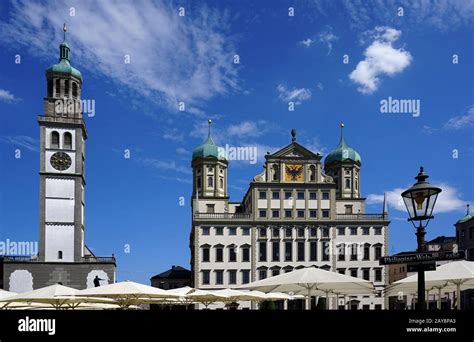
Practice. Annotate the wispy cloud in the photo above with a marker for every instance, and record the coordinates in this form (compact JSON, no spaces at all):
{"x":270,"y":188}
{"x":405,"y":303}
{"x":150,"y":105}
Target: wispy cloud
{"x":185,"y":59}
{"x":461,"y":121}
{"x":448,"y":200}
{"x":24,"y":141}
{"x":296,"y":95}
{"x":307,"y":42}
{"x":381,"y":58}
{"x":7,"y":96}
{"x":174,"y":134}
{"x":428,"y":130}
{"x":166,"y":165}
{"x":247,"y":129}
{"x":327,"y":37}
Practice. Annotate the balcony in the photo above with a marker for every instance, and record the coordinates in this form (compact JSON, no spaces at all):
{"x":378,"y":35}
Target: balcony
{"x":33,"y":259}
{"x":222,"y":216}
{"x":362,"y":217}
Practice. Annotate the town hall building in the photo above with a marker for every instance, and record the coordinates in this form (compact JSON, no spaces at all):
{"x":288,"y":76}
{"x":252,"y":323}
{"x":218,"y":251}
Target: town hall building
{"x":300,"y":211}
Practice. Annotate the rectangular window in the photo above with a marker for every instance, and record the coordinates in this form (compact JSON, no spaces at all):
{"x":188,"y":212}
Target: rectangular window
{"x":313,"y":213}
{"x":262,"y":251}
{"x":366,"y":274}
{"x":366,"y":252}
{"x":245,"y":276}
{"x":325,"y":213}
{"x":219,"y":277}
{"x":348,"y":209}
{"x":245,"y":254}
{"x":262,"y":213}
{"x":325,"y":251}
{"x":312,"y":195}
{"x":287,"y":195}
{"x":341,"y":231}
{"x":354,"y":252}
{"x":275,"y":232}
{"x":219,"y":254}
{"x":378,"y":252}
{"x":210,"y":208}
{"x":232,"y":231}
{"x":325,"y":195}
{"x":275,"y":195}
{"x":288,"y":213}
{"x":262,"y":274}
{"x":205,"y":254}
{"x":275,"y":272}
{"x":288,"y":232}
{"x":205,"y":230}
{"x":245,"y":231}
{"x":300,"y":251}
{"x":232,"y":277}
{"x":232,"y":254}
{"x":378,"y":307}
{"x":275,"y":251}
{"x":313,"y":232}
{"x":353,"y":231}
{"x":275,"y":213}
{"x":206,"y":277}
{"x":263,"y":232}
{"x":378,"y":274}
{"x":341,"y":253}
{"x":219,"y":231}
{"x":301,"y":232}
{"x":341,"y":270}
{"x":354,"y":272}
{"x":262,"y":195}
{"x":378,"y":231}
{"x":313,"y":251}
{"x":365,"y":231}
{"x":325,"y":232}
{"x":288,"y":251}
{"x":300,"y":213}
{"x":300,"y":195}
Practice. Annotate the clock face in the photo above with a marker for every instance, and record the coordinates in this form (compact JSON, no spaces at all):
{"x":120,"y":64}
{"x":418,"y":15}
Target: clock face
{"x":60,"y":161}
{"x":294,"y":172}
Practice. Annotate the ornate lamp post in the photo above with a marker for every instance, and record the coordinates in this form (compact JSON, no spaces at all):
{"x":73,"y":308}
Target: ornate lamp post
{"x":420,"y":200}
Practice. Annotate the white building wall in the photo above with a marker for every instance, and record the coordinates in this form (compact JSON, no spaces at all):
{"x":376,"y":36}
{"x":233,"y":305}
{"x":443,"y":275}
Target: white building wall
{"x":59,"y":238}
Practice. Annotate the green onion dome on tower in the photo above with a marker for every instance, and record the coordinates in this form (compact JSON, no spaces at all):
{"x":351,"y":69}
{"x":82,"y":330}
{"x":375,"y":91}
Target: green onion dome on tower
{"x":342,"y":152}
{"x":466,"y":218}
{"x":208,"y":148}
{"x":64,"y":66}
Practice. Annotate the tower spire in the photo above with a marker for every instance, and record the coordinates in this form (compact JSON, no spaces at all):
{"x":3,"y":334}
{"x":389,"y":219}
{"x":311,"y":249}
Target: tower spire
{"x":467,"y":208}
{"x":65,"y":30}
{"x":209,"y":131}
{"x":293,"y":135}
{"x":342,"y":132}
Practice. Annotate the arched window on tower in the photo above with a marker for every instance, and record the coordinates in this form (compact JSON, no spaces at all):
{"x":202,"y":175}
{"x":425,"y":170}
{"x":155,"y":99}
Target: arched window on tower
{"x":210,"y":182}
{"x":54,"y":139}
{"x":68,"y":141}
{"x":199,"y":183}
{"x":221,"y":183}
{"x":50,"y":88}
{"x":58,"y":87}
{"x":74,"y":89}
{"x":66,"y":88}
{"x":348,"y":183}
{"x":276,"y":172}
{"x":60,"y":255}
{"x":312,"y":173}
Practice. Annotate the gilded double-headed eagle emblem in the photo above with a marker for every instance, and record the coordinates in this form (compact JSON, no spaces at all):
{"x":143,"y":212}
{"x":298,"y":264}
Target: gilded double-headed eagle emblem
{"x":294,"y":172}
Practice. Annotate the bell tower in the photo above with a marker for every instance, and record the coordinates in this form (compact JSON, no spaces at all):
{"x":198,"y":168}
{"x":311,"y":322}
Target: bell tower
{"x":62,"y":142}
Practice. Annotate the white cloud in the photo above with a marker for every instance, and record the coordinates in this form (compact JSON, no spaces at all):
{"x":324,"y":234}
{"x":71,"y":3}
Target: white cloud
{"x":24,"y":141}
{"x":381,"y":58}
{"x":182,"y":151}
{"x":462,"y":121}
{"x":428,"y":130}
{"x":7,"y":96}
{"x":172,"y":58}
{"x":247,"y":129}
{"x":173,"y":134}
{"x":327,"y":37}
{"x":296,"y":95}
{"x":448,"y":200}
{"x":164,"y":165}
{"x":320,"y":86}
{"x":307,"y":42}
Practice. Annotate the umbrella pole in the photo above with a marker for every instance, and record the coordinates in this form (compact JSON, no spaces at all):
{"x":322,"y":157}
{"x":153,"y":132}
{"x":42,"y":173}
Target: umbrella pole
{"x":337,"y":301}
{"x":327,"y":300}
{"x":427,"y":299}
{"x":308,"y":300}
{"x":458,"y":296}
{"x":439,"y":298}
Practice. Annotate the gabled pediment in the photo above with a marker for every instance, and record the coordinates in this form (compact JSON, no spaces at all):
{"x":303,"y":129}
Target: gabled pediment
{"x":294,"y":151}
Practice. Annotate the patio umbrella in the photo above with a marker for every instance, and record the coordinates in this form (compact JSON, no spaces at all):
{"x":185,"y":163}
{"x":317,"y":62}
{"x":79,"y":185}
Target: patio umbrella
{"x":457,"y":274}
{"x":205,"y":297}
{"x":126,"y":293}
{"x":312,"y":280}
{"x":56,"y":296}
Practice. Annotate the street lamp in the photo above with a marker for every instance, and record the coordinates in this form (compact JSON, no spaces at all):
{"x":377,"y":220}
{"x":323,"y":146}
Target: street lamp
{"x":420,"y":200}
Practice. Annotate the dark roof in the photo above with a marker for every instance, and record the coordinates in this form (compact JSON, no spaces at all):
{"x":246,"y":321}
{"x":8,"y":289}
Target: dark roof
{"x":442,"y":240}
{"x":175,"y":272}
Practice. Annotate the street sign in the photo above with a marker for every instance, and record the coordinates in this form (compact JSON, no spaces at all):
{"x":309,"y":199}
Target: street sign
{"x":421,"y":257}
{"x":430,"y":266}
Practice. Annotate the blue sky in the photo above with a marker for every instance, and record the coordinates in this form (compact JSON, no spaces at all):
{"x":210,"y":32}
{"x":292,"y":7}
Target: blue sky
{"x":190,"y":59}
